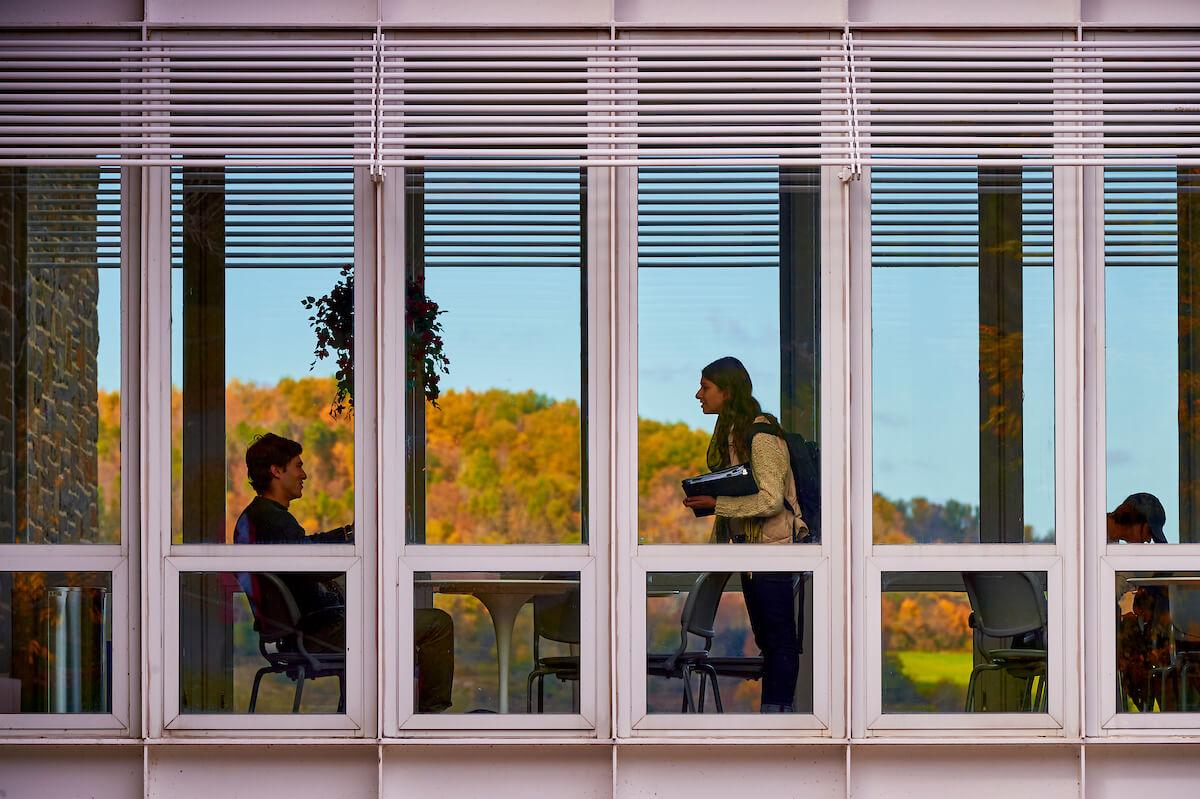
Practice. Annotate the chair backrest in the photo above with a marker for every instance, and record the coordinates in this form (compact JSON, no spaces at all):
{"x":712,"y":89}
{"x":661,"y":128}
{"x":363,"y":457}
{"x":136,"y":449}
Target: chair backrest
{"x":700,"y":610}
{"x":276,"y":613}
{"x":556,"y":617}
{"x":1006,"y":603}
{"x":1185,"y":612}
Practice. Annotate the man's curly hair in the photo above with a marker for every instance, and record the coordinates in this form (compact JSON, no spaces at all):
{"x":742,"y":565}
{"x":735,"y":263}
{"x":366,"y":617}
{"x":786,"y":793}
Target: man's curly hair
{"x":264,"y":452}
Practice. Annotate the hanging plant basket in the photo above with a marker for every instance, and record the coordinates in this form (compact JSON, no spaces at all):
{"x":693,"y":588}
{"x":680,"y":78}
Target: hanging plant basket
{"x":333,"y":322}
{"x":427,"y":360}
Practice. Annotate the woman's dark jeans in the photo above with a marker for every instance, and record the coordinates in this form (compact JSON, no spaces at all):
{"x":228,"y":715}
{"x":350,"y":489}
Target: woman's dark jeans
{"x":769,"y":603}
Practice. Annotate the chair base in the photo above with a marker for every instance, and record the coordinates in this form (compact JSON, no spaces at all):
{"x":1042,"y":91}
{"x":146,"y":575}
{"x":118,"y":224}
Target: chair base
{"x":301,"y":675}
{"x":1031,"y":670}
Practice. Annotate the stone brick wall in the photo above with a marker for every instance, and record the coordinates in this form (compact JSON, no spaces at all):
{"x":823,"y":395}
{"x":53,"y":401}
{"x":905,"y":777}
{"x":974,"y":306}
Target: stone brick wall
{"x":12,"y":260}
{"x":56,"y":380}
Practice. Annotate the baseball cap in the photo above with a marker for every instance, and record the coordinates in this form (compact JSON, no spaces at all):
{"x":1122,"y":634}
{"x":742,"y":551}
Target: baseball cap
{"x":1148,"y":506}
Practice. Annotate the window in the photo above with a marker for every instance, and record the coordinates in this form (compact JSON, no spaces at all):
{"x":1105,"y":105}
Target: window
{"x":497,"y":571}
{"x":264,"y":428}
{"x":962,"y":356}
{"x":958,"y":642}
{"x":963,"y":547}
{"x":731,"y":634}
{"x":64,"y":624}
{"x":1149,"y":514}
{"x":497,"y":283}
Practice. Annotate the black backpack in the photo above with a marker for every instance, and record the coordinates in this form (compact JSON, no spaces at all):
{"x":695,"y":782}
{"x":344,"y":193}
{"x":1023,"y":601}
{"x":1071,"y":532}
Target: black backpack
{"x":805,"y":457}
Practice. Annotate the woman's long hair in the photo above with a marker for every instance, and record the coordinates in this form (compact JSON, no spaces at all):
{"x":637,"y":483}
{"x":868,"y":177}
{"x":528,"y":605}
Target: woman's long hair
{"x":738,"y":413}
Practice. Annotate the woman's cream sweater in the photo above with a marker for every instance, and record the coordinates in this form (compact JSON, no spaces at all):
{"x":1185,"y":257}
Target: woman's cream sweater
{"x":763,"y":517}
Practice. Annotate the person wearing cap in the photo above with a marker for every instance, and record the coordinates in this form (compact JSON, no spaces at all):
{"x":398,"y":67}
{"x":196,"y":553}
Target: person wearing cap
{"x":1138,"y":520}
{"x":1143,"y":632}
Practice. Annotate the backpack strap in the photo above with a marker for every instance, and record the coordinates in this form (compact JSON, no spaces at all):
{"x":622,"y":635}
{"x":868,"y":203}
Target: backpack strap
{"x":765,"y":427}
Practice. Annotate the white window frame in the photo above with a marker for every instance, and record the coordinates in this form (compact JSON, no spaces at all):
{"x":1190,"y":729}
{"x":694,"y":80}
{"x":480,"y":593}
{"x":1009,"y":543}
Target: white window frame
{"x":116,"y":564}
{"x":116,"y":559}
{"x":878,"y":721}
{"x":357,"y":561}
{"x":1060,"y":560}
{"x":826,"y":560}
{"x":279,"y":559}
{"x":1103,"y":560}
{"x":1113,"y":722}
{"x":401,"y":559}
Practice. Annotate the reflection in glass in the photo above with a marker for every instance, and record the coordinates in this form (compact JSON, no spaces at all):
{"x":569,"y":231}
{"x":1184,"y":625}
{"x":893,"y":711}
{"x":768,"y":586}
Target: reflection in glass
{"x":1158,"y":642}
{"x":60,"y":356}
{"x":718,"y":642}
{"x":251,"y":247}
{"x":55,"y":642}
{"x":728,"y":265}
{"x":485,"y":641}
{"x":262,"y":642}
{"x":496,"y":298}
{"x":958,"y":642}
{"x":1151,"y":227}
{"x":962,"y":355}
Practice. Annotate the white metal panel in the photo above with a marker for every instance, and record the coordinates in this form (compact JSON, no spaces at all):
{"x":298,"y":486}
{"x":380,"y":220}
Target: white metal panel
{"x":1116,"y":772}
{"x":468,"y":770}
{"x":251,"y":772}
{"x":75,"y":12}
{"x":1142,"y":13}
{"x":687,"y":772}
{"x":264,"y":12}
{"x":983,"y":772}
{"x":474,"y":13}
{"x":964,"y":12}
{"x":71,"y":772}
{"x":390,"y":381}
{"x":695,"y":13}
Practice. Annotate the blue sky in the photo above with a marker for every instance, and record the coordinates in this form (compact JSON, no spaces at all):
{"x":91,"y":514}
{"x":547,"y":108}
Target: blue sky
{"x":520,"y":328}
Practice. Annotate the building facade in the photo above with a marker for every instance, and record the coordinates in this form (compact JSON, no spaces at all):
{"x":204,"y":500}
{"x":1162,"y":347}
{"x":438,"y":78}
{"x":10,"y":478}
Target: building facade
{"x":482,"y":262}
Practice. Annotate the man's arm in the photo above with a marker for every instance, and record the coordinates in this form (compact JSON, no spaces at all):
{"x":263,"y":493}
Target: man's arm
{"x":338,"y":535}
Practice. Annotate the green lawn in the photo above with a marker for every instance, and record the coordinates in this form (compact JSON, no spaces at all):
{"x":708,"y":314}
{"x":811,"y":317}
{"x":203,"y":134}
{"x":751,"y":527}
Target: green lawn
{"x":929,"y":668}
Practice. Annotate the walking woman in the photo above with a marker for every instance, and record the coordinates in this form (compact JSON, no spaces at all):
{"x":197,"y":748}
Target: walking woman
{"x":743,"y":433}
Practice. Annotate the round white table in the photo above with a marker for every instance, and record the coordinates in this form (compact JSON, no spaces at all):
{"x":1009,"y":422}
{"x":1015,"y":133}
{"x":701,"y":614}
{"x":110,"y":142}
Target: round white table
{"x":503,"y":600}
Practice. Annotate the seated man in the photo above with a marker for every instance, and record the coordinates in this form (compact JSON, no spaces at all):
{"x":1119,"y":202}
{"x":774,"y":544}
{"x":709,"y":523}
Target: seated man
{"x":1143,"y":633}
{"x":1142,"y":646}
{"x":277,"y":476}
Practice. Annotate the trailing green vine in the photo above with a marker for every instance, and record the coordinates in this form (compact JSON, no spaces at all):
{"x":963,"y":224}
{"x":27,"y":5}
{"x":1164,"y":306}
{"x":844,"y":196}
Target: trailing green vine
{"x":333,"y":322}
{"x":427,"y":360}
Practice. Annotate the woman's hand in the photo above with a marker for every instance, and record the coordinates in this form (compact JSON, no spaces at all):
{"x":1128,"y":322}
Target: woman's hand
{"x":702,"y":503}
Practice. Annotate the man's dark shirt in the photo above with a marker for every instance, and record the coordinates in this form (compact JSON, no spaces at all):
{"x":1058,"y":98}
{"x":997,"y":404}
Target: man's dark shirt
{"x":265,"y":521}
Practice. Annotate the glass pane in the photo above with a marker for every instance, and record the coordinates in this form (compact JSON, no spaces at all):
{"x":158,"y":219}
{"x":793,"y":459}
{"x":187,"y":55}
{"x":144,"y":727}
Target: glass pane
{"x":496,"y":642}
{"x":262,"y":642}
{"x":962,"y":355}
{"x":1158,"y":642}
{"x":729,"y":268}
{"x":60,"y":356}
{"x":1151,"y":227}
{"x":262,"y":343}
{"x":496,"y":298}
{"x":729,"y":643}
{"x":55,"y":642}
{"x":957,"y":642}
